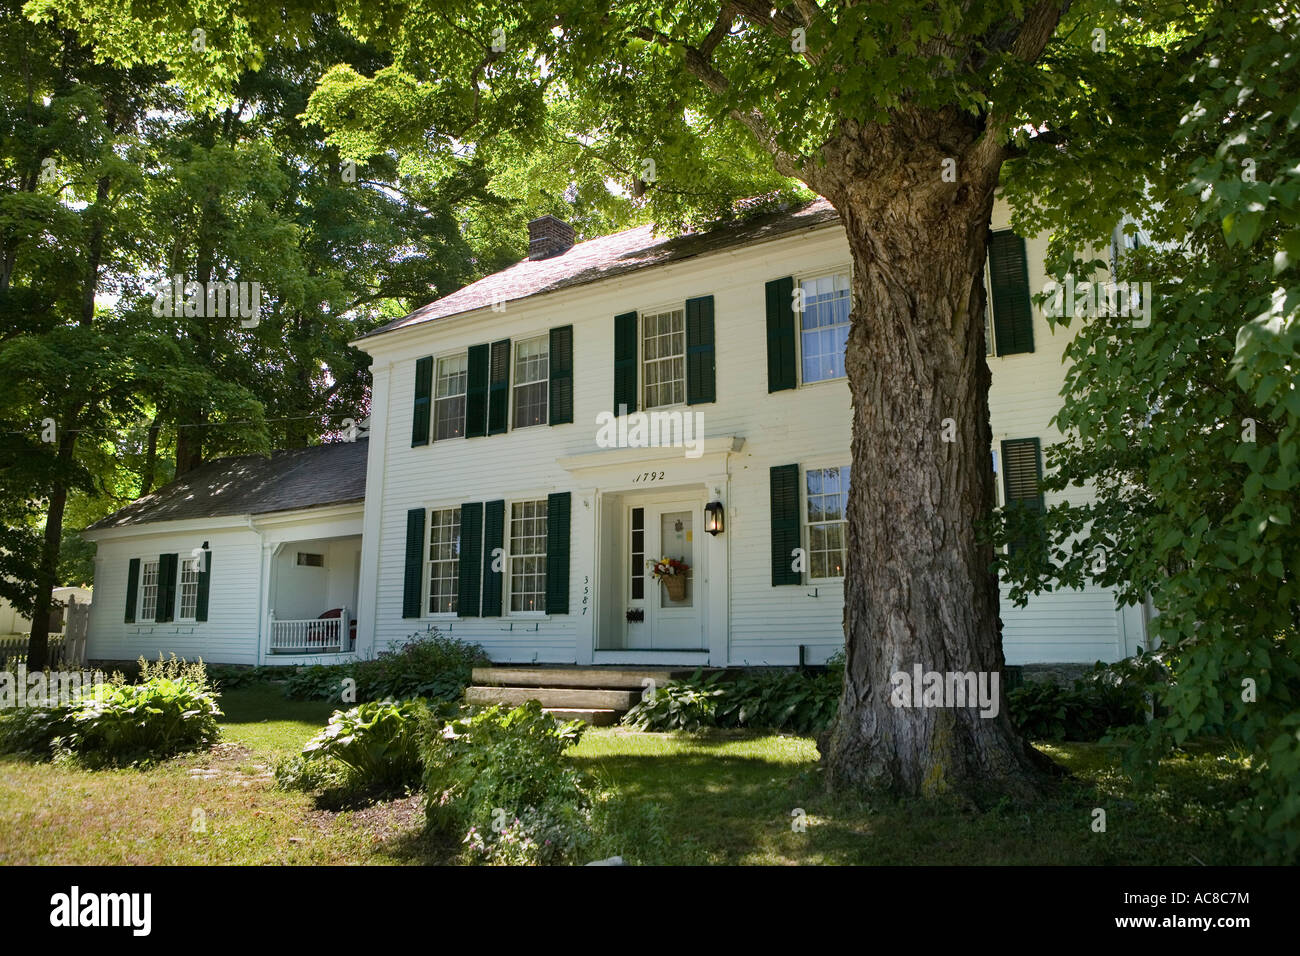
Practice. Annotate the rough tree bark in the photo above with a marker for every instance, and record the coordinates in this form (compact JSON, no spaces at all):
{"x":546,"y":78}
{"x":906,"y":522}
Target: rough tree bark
{"x":918,"y":585}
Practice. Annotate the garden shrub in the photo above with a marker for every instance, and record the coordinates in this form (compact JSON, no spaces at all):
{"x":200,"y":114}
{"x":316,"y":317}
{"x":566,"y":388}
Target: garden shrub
{"x":376,"y":745}
{"x":498,"y":781}
{"x":801,"y":702}
{"x":1108,"y":697}
{"x":430,"y":665}
{"x":172,"y":710}
{"x":229,"y":677}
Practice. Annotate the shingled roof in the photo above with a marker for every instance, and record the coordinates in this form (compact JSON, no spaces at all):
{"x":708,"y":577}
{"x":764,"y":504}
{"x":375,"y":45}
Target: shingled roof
{"x":252,"y":485}
{"x":610,"y":256}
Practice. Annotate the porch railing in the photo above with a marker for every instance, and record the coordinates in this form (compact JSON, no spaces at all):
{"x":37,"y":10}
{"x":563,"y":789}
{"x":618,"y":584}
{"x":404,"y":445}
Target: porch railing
{"x":331,"y":635}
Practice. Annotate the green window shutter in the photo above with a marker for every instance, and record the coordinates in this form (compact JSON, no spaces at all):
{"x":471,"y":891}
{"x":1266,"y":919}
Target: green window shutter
{"x":1013,"y":313}
{"x":166,"y":588}
{"x":423,"y":400}
{"x":561,"y":361}
{"x":132,"y":589}
{"x":781,"y":372}
{"x":494,"y":522}
{"x":625,"y":362}
{"x":700,"y":368}
{"x":413,"y":576}
{"x":476,"y":391}
{"x":1022,"y":477}
{"x":471,"y":554}
{"x":557,"y":553}
{"x":499,"y":388}
{"x":205,"y":584}
{"x":784,"y":486}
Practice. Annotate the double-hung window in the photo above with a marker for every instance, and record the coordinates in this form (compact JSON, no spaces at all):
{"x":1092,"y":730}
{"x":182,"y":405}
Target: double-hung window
{"x":527,"y":555}
{"x":664,"y":346}
{"x":823,"y":326}
{"x":826,"y":502}
{"x":449,"y":397}
{"x":444,"y":560}
{"x":148,"y":590}
{"x":532,"y":381}
{"x":189,"y":584}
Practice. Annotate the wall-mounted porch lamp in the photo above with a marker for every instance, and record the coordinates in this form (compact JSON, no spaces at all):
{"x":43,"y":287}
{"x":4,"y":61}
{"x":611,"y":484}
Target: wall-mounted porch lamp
{"x":713,"y":517}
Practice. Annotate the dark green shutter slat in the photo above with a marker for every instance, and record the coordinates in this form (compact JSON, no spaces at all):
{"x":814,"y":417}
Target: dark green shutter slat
{"x":625,"y":362}
{"x":471,"y":554}
{"x":476,"y":391}
{"x":132,"y":587}
{"x":700,"y":367}
{"x":499,"y":388}
{"x":561,"y":360}
{"x":781,"y":373}
{"x":423,"y":401}
{"x":557,"y":553}
{"x":1022,"y":478}
{"x":1013,"y":313}
{"x":494,"y":522}
{"x":166,"y":604}
{"x":205,"y":583}
{"x":784,"y":487}
{"x":413,"y":576}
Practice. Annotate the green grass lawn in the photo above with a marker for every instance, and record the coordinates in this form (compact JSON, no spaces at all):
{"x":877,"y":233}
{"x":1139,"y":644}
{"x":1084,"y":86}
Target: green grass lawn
{"x":722,"y":797}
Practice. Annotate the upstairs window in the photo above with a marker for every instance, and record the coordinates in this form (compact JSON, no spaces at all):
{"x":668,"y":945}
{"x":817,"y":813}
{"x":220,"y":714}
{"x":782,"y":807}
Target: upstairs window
{"x":532,"y":381}
{"x":449,"y":393}
{"x":664,"y":341}
{"x":823,"y":326}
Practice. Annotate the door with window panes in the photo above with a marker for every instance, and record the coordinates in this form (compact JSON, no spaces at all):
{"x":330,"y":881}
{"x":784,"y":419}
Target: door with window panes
{"x":673,"y":616}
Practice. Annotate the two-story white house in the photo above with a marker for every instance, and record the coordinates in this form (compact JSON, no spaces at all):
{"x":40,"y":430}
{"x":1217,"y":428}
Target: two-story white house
{"x":539,"y":436}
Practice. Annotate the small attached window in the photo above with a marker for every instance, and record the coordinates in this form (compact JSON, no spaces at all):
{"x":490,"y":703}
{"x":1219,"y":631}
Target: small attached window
{"x":308,"y":560}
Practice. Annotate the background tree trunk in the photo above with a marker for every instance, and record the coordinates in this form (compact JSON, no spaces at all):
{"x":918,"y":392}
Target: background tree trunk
{"x":918,"y":586}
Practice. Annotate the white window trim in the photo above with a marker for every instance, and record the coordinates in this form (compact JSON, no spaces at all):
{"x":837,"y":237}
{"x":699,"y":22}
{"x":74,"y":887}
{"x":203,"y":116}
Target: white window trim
{"x":677,"y":306}
{"x":512,"y":384}
{"x":181,"y":562}
{"x":799,"y":278}
{"x":506,"y":538}
{"x":433,"y":396}
{"x":804,"y":524}
{"x":139,"y":600}
{"x":427,"y":573}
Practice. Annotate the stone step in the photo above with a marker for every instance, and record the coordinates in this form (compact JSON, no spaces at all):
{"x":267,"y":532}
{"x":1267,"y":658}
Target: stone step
{"x":597,"y":718}
{"x":597,"y":677}
{"x":560,"y":698}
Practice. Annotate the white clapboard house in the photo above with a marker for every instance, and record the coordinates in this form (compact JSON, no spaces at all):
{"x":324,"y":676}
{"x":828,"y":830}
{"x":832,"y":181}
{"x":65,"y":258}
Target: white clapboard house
{"x":502,"y":498}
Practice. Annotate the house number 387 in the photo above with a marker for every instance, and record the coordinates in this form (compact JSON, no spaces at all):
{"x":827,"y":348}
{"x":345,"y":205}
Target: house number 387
{"x":586,"y":591}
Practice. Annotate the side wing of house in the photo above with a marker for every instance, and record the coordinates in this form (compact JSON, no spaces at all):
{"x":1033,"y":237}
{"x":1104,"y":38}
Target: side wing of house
{"x":188,"y":588}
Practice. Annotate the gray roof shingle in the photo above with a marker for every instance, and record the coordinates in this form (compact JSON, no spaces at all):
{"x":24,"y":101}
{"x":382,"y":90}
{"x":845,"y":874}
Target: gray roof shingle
{"x":251,"y":484}
{"x":609,"y":256}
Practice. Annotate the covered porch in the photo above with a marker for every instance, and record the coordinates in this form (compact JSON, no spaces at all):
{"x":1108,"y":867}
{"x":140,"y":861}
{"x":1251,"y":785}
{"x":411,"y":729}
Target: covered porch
{"x":313,"y":597}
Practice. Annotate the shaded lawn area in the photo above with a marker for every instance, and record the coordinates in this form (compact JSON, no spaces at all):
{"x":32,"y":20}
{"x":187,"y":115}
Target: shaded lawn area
{"x":723,"y":797}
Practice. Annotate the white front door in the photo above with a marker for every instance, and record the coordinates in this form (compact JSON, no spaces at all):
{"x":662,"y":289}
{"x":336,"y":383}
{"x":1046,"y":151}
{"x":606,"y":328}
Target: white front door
{"x":673,"y":613}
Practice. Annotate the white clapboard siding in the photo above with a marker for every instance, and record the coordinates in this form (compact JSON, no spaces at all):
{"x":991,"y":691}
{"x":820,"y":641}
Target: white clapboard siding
{"x":809,"y":425}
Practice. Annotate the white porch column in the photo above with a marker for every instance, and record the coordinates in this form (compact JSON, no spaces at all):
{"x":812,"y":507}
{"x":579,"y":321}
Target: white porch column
{"x":584,"y":526}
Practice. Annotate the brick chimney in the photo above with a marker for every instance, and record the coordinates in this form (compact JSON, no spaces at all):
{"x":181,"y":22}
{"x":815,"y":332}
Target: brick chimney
{"x":548,"y":237}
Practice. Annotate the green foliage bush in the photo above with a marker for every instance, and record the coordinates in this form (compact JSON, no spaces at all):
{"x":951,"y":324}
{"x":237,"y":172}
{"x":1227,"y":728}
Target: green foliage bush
{"x":801,"y":702}
{"x":1108,"y":697}
{"x":375,"y":744}
{"x":172,"y":710}
{"x":430,"y":665}
{"x":497,"y":779}
{"x":228,"y":677}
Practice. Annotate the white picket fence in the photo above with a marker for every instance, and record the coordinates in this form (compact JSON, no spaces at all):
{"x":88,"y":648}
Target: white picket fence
{"x":66,"y":650}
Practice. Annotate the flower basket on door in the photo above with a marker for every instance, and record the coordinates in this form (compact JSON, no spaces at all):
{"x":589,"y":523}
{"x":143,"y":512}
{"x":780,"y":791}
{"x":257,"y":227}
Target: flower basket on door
{"x":672,"y":573}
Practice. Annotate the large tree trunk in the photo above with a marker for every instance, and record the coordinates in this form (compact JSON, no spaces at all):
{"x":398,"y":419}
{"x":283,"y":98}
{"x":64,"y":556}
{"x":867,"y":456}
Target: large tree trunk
{"x":918,"y":587}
